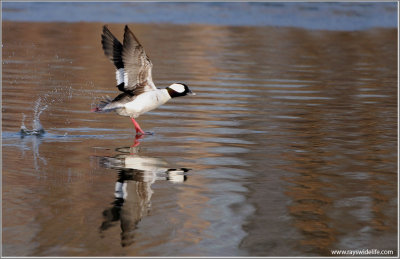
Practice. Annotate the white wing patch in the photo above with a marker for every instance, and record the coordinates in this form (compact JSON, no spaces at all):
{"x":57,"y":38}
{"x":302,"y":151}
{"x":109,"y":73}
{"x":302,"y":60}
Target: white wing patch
{"x":119,"y":75}
{"x":120,"y":190}
{"x":126,"y":78}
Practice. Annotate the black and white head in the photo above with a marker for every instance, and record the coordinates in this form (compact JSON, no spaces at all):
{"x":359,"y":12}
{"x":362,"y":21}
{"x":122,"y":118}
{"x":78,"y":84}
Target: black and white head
{"x":179,"y":89}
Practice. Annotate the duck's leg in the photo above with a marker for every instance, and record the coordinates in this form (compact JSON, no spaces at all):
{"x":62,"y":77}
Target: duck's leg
{"x":137,"y":127}
{"x":136,"y":143}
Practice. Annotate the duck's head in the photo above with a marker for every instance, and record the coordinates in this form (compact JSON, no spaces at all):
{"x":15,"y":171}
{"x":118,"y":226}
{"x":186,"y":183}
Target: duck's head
{"x":179,"y":89}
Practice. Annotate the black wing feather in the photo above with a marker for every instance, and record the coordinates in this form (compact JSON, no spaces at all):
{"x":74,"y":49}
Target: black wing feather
{"x":112,"y":47}
{"x":138,"y":65}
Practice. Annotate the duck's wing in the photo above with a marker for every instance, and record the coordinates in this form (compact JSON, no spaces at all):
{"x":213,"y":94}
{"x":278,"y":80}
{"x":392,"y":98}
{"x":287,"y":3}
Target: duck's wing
{"x":137,"y":65}
{"x":113,"y":50}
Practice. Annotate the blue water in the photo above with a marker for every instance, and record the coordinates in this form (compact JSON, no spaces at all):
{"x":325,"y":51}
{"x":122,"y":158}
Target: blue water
{"x":325,"y":16}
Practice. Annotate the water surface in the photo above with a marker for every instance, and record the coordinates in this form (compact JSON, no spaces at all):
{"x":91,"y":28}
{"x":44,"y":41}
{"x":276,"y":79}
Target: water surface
{"x":289,"y":147}
{"x":309,"y":15}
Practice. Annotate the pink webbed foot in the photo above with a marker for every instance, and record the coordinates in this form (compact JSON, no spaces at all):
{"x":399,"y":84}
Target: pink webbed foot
{"x":139,"y":131}
{"x":137,"y":142}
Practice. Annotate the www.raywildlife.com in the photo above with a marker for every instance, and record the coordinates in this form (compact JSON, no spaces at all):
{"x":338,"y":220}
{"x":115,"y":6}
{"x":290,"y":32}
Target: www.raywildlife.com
{"x":363,"y":252}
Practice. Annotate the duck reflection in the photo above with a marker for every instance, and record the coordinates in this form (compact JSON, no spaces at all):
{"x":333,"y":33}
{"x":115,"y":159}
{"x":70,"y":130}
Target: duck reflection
{"x":133,"y":190}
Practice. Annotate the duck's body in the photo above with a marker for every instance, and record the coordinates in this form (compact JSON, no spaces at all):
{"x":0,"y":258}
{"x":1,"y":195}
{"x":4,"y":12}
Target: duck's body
{"x":134,"y":79}
{"x":135,"y":105}
{"x":146,"y":102}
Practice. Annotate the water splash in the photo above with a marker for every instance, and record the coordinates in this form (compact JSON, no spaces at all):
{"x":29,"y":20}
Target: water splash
{"x":37,"y":128}
{"x":42,"y":104}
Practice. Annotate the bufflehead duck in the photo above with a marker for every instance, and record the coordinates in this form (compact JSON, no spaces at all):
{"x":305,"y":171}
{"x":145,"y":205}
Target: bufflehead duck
{"x":134,"y":80}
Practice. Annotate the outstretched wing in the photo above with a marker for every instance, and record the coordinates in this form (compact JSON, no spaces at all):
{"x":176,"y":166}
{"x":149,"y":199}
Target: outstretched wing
{"x":137,"y":65}
{"x":113,"y":50}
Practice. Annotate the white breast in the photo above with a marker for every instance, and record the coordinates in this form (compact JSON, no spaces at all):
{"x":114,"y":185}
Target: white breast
{"x":146,"y":102}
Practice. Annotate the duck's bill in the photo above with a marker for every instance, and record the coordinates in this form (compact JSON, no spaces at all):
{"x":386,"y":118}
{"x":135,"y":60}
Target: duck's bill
{"x":191,"y":93}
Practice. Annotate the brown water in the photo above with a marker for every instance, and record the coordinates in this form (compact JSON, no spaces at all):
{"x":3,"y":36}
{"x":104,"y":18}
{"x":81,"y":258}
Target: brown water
{"x":291,"y":142}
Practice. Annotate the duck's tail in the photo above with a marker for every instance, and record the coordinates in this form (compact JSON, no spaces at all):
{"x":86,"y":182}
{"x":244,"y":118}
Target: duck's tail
{"x":103,"y":106}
